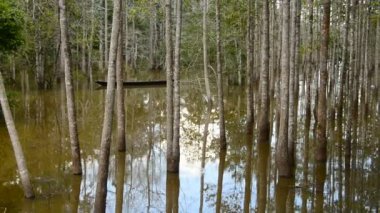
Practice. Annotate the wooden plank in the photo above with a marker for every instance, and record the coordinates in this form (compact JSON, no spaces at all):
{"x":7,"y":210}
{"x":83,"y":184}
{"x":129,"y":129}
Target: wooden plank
{"x":137,"y":84}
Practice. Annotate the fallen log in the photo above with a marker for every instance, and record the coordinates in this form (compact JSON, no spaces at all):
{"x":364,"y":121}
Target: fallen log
{"x":137,"y":84}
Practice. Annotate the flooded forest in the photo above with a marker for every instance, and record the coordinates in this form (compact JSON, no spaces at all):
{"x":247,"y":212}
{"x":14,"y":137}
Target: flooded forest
{"x":189,"y":106}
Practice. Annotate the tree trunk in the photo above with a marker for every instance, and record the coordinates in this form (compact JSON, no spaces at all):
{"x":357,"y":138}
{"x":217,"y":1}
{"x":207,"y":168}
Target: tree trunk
{"x":282,"y":156}
{"x":169,"y":86}
{"x":264,"y":79}
{"x":70,"y":98}
{"x":222,"y":131}
{"x":205,"y":55}
{"x":309,"y":61}
{"x":101,"y":186}
{"x":120,"y":92}
{"x":176,"y":101}
{"x":250,"y":62}
{"x":292,"y":120}
{"x":106,"y":56}
{"x":90,"y":48}
{"x":19,"y":155}
{"x":321,"y":152}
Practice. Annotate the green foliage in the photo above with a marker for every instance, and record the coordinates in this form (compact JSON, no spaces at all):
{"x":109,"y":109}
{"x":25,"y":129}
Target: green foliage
{"x":11,"y":27}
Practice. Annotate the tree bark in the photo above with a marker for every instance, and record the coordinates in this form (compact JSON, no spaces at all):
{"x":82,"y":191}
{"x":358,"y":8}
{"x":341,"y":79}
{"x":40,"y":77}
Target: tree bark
{"x":264,"y":79}
{"x":70,"y":98}
{"x":19,"y":155}
{"x":222,"y":131}
{"x":282,"y":155}
{"x":101,"y":186}
{"x":321,"y":151}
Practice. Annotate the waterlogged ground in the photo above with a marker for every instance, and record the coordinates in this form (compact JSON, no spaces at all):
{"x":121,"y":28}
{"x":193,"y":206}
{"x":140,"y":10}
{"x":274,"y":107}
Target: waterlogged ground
{"x":138,"y":181}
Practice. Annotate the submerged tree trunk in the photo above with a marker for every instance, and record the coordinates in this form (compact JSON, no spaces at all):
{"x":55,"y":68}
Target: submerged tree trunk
{"x":282,"y":157}
{"x":20,"y":159}
{"x":321,"y":152}
{"x":70,"y":98}
{"x":249,"y":71}
{"x":264,"y":79}
{"x":169,"y":86}
{"x":222,"y":131}
{"x":101,"y":186}
{"x":176,"y":101}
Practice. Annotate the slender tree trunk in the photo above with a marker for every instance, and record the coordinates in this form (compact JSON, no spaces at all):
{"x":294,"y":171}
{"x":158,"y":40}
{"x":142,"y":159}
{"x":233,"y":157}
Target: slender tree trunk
{"x":321,"y":152}
{"x":177,"y":57}
{"x":205,"y":55}
{"x":120,"y":91}
{"x":169,"y":87}
{"x":309,"y":66}
{"x":222,"y":131}
{"x":91,"y":43}
{"x":250,"y":61}
{"x":106,"y":56}
{"x":101,"y":186}
{"x":282,"y":155}
{"x":84,"y":39}
{"x":70,"y":98}
{"x":101,"y":41}
{"x":264,"y":78}
{"x":19,"y":155}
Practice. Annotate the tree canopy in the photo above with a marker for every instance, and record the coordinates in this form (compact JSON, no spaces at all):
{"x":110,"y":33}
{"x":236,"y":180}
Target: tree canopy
{"x":11,"y":27}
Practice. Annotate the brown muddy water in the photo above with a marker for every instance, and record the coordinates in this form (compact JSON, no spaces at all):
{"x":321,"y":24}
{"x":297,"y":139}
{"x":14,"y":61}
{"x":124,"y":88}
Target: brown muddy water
{"x":242,"y":179}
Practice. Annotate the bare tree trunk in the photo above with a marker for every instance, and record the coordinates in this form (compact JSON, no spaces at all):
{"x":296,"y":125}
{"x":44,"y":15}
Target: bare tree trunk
{"x":169,"y":87}
{"x":321,"y":152}
{"x":101,"y":46}
{"x":250,"y":61}
{"x":292,"y":120}
{"x":264,"y":79}
{"x":309,"y":61}
{"x":19,"y":155}
{"x":101,"y":186}
{"x":205,"y":55}
{"x":90,"y":48}
{"x":176,"y":123}
{"x":84,"y":38}
{"x":120,"y":91}
{"x":282,"y":156}
{"x":106,"y":33}
{"x":222,"y":130}
{"x":70,"y":98}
